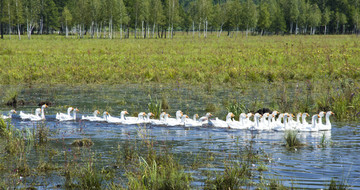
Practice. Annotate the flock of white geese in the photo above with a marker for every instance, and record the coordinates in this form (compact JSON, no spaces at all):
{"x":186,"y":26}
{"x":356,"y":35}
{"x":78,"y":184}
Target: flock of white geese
{"x":274,"y":121}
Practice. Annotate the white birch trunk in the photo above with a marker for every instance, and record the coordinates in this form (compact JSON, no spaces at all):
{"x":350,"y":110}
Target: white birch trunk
{"x":325,"y":30}
{"x":18,"y":27}
{"x":41,"y":26}
{"x":142,"y":29}
{"x":66,"y":29}
{"x":121,"y":31}
{"x":153,"y":33}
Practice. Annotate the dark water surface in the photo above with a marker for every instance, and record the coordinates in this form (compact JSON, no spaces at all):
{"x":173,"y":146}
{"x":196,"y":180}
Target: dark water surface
{"x":306,"y":167}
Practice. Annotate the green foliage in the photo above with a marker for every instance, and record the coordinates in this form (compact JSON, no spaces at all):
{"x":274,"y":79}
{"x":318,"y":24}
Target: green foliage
{"x":85,"y":142}
{"x":90,"y":177}
{"x":152,"y":175}
{"x":291,"y":139}
{"x":236,"y":108}
{"x":234,"y":177}
{"x":338,"y":185}
{"x":155,"y":107}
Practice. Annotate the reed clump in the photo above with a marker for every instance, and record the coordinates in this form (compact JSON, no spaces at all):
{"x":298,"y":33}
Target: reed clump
{"x":291,"y":139}
{"x":85,"y":142}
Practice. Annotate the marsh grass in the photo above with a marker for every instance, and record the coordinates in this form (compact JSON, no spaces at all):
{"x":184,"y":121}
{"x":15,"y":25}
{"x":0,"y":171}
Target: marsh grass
{"x":291,"y":139}
{"x":85,"y":142}
{"x":234,"y":177}
{"x":154,"y":175}
{"x":155,"y":107}
{"x":236,"y":108}
{"x":338,"y":185}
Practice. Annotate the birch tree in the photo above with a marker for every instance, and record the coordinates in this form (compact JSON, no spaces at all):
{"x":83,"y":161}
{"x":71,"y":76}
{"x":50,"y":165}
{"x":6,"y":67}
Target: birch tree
{"x":32,"y":11}
{"x":156,"y":15}
{"x":172,"y":13}
{"x":123,"y":16}
{"x":67,"y":18}
{"x":264,"y":21}
{"x":325,"y":18}
{"x":249,"y":15}
{"x":314,"y":18}
{"x":293,"y":13}
{"x":18,"y":17}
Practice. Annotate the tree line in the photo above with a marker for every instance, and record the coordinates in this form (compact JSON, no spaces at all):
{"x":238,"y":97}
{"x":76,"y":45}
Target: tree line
{"x":160,"y":18}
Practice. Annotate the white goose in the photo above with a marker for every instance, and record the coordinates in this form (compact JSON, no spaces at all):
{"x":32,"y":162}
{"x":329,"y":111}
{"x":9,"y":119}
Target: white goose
{"x":159,"y":121}
{"x":284,"y":126}
{"x":327,"y":126}
{"x":67,"y":117}
{"x":36,"y":116}
{"x":320,"y":123}
{"x":263,"y":124}
{"x":272,"y":121}
{"x":94,"y":117}
{"x":111,"y":119}
{"x":175,"y":121}
{"x":135,"y":120}
{"x":9,"y":116}
{"x":183,"y":119}
{"x":256,"y":126}
{"x":306,"y":127}
{"x":205,"y":119}
{"x":298,"y":122}
{"x":193,"y":122}
{"x":221,"y":123}
{"x":241,"y":124}
{"x":148,"y":117}
{"x":291,"y":123}
{"x":248,"y":122}
{"x":68,"y":114}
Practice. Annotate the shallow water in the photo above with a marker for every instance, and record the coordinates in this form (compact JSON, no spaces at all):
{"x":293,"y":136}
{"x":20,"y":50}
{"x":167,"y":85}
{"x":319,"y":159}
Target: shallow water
{"x":307,"y":167}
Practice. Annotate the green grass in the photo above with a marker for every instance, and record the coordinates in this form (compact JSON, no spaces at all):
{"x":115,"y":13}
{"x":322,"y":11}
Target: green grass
{"x":291,"y":139}
{"x":55,"y":60}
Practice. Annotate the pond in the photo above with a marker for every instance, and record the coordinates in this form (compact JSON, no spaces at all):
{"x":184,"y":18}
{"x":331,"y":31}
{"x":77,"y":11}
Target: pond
{"x":308,"y":167}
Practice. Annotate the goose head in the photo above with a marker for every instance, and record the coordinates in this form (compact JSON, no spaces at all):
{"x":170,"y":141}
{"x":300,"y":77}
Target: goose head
{"x":243,"y":116}
{"x":12,"y":111}
{"x":196,"y":116}
{"x":208,"y":115}
{"x":96,"y":112}
{"x":322,"y":114}
{"x":76,"y":110}
{"x":274,"y":113}
{"x":329,"y":113}
{"x":150,"y":114}
{"x":44,"y":106}
{"x":257,"y":115}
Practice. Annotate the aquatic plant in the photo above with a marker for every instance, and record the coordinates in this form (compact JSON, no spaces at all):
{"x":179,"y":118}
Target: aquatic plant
{"x":155,"y":107}
{"x":85,"y":142}
{"x":234,"y":177}
{"x":338,"y":185}
{"x":90,"y":177}
{"x":291,"y":139}
{"x":236,"y":108}
{"x":152,"y":175}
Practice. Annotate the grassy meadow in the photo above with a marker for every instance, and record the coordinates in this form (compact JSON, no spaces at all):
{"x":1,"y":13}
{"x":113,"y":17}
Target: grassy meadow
{"x":56,"y":60}
{"x":303,"y":73}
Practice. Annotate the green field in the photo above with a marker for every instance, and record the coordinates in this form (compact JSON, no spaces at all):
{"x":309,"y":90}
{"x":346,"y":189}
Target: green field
{"x":56,"y":60}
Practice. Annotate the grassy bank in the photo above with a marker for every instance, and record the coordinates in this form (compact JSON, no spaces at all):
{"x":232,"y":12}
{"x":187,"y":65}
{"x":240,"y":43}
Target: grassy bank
{"x":56,"y":60}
